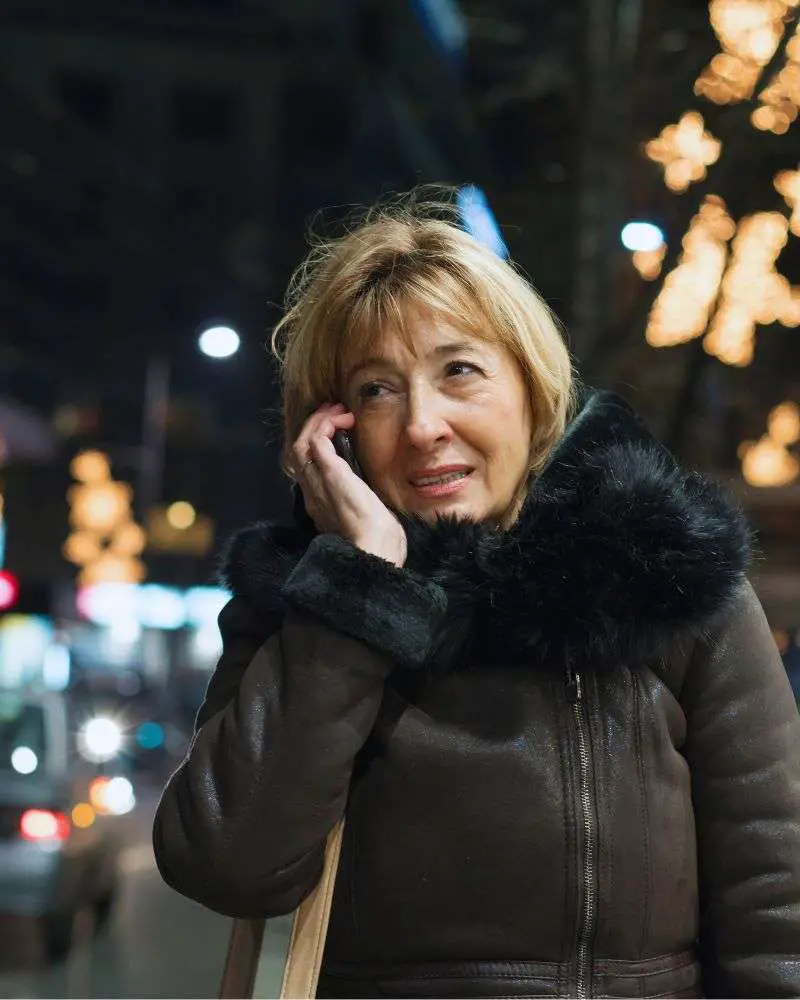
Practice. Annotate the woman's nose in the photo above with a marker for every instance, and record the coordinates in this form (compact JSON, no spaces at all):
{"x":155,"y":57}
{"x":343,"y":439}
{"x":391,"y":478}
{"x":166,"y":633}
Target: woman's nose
{"x":427,"y":423}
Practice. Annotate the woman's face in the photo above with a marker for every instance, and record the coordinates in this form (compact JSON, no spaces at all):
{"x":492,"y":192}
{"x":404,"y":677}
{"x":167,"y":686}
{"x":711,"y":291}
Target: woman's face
{"x":444,"y":428}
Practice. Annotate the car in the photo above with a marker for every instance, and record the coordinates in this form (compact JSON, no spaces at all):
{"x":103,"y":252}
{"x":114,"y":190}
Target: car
{"x":60,"y":840}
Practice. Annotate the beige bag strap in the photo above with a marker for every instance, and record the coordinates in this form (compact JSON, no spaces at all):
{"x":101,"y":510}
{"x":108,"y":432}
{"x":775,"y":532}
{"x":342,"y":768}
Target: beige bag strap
{"x":306,"y":944}
{"x":310,"y":928}
{"x":241,"y":962}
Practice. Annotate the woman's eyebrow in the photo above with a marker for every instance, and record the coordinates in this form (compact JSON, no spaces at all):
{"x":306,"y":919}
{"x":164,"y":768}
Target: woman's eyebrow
{"x":365,"y":363}
{"x":459,"y":348}
{"x":443,"y":350}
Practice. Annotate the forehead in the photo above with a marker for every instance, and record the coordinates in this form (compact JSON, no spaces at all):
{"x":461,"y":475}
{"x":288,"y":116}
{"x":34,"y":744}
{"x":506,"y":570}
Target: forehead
{"x":419,"y":335}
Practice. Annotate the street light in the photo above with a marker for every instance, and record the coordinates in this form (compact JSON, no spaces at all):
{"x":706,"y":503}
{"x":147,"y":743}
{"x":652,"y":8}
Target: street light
{"x":219,"y":342}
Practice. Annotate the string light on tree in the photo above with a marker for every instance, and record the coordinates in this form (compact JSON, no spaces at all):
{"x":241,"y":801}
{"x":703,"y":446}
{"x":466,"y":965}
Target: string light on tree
{"x":685,"y":151}
{"x":128,"y":540}
{"x":784,"y":424}
{"x":90,"y":467}
{"x":105,"y":541}
{"x":768,"y":462}
{"x":99,"y":507}
{"x":649,"y":262}
{"x":749,"y":33}
{"x":82,"y":547}
{"x":753,"y":293}
{"x":682,"y":309}
{"x":726,"y":283}
{"x":780,"y":99}
{"x":787,"y":183}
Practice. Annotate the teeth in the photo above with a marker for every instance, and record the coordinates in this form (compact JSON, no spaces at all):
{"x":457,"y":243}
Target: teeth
{"x":450,"y":477}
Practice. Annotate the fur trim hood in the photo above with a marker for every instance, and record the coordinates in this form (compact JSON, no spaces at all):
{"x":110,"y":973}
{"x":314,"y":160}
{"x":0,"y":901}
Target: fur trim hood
{"x":616,"y":556}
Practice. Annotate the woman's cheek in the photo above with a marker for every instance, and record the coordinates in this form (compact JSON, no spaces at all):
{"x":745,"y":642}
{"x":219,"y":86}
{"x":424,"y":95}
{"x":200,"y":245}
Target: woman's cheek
{"x":376,"y":446}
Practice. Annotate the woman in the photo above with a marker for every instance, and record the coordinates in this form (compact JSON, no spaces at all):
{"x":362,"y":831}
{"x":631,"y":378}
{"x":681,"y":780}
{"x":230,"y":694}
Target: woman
{"x":520,"y":650}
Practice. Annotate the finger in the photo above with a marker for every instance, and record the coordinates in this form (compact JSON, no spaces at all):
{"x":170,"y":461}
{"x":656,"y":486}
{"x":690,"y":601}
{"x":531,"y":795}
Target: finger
{"x":334,"y":477}
{"x":322,"y":425}
{"x":322,"y":454}
{"x":323,"y":416}
{"x":315,"y":498}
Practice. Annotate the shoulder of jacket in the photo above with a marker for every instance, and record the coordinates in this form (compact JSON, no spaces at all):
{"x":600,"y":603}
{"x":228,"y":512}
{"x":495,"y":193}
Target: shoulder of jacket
{"x":242,"y":618}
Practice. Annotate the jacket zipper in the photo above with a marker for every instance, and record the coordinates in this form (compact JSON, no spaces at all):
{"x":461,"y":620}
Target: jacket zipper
{"x":588,"y":859}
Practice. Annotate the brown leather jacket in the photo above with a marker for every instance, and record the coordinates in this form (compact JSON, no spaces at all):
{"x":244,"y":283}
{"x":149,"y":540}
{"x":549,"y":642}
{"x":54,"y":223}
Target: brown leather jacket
{"x":569,"y":753}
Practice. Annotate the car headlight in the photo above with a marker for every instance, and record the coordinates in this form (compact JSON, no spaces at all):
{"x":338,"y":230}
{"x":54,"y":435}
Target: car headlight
{"x":100,"y":739}
{"x":112,"y":796}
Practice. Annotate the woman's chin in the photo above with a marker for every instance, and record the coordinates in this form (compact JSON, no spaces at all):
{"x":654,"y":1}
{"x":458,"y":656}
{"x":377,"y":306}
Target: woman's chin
{"x":460,"y":509}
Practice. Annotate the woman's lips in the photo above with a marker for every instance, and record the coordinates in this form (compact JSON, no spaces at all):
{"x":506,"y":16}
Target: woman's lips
{"x":435,"y":490}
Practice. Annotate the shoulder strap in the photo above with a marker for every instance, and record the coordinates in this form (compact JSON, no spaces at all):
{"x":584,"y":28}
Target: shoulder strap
{"x":241,"y":962}
{"x":310,"y":928}
{"x":306,"y":944}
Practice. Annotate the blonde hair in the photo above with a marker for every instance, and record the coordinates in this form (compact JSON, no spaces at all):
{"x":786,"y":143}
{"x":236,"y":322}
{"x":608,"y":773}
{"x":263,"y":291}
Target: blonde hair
{"x":413,"y":255}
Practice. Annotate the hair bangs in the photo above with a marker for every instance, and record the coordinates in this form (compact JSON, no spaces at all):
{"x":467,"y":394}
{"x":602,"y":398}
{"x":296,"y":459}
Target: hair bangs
{"x":433,"y":290}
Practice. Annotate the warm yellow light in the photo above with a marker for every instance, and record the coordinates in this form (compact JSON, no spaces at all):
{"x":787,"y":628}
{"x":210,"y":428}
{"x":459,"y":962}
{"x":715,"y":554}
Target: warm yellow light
{"x":99,"y":506}
{"x":649,"y":262}
{"x":749,"y":33}
{"x":90,"y":467}
{"x":684,"y":150}
{"x":787,"y":183}
{"x":83,"y":815}
{"x":110,"y":568}
{"x":769,"y":464}
{"x":752,"y":291}
{"x":728,"y":81}
{"x":780,"y":99}
{"x":181,"y":515}
{"x":97,"y":792}
{"x":682,"y":308}
{"x":128,"y":540}
{"x":730,"y":338}
{"x":81,"y":547}
{"x":784,"y":423}
{"x":763,"y":118}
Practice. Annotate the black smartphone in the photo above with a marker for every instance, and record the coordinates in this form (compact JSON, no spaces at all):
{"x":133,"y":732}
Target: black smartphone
{"x":344,"y":448}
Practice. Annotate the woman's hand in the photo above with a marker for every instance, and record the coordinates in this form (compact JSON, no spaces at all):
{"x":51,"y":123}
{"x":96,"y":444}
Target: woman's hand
{"x":337,"y":500}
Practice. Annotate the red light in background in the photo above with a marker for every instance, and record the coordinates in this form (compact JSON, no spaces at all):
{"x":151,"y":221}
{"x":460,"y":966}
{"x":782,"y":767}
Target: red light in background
{"x":9,"y":590}
{"x":42,"y":824}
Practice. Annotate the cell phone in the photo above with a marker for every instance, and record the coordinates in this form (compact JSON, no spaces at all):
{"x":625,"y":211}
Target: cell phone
{"x":343,"y":444}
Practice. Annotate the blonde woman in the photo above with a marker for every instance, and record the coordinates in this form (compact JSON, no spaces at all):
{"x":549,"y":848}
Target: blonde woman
{"x":516,"y":644}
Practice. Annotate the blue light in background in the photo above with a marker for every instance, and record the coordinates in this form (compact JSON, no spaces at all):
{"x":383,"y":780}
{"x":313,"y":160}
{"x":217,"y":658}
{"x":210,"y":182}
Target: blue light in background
{"x":478,"y":219}
{"x":642,"y":236}
{"x":150,"y":736}
{"x":445,"y":26}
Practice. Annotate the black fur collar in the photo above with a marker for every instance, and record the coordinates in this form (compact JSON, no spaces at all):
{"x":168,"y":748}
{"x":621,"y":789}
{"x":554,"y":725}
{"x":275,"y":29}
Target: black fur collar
{"x":617,"y":555}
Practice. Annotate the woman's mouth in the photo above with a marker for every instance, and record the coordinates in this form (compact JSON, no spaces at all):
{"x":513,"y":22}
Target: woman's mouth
{"x":441,"y":484}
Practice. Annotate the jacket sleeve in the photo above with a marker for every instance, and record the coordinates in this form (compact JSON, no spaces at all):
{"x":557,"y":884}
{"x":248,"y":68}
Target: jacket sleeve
{"x":743,"y":749}
{"x":241,"y":825}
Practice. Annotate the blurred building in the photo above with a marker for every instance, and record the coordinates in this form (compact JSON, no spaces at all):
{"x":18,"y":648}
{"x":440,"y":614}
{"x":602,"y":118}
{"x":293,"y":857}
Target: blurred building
{"x":159,"y":161}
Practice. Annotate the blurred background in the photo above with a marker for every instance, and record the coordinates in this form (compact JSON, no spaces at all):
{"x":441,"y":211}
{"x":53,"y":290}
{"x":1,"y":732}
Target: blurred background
{"x":160,"y":161}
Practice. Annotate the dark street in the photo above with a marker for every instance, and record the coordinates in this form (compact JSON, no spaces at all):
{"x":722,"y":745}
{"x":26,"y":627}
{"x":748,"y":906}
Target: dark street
{"x":156,"y":944}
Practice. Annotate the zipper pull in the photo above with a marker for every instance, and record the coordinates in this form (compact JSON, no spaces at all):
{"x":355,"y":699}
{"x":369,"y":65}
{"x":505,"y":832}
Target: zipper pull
{"x":574,"y":686}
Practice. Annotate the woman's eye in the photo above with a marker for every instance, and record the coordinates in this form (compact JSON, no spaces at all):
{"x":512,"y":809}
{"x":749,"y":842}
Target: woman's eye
{"x":458,"y":369}
{"x":371,"y":390}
